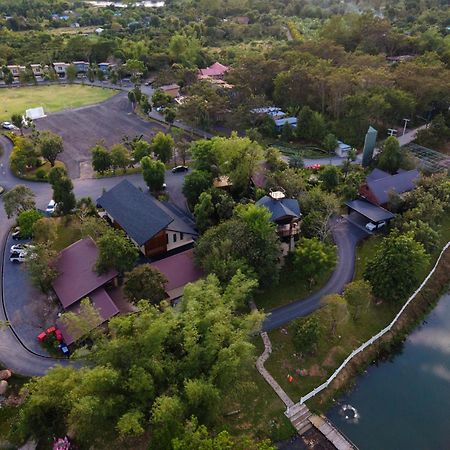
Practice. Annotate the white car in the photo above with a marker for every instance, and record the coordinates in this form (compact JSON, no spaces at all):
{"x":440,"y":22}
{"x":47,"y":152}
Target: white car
{"x":19,"y":248}
{"x":8,"y":126}
{"x":16,"y":233}
{"x":371,"y":226}
{"x":51,"y":207}
{"x":18,"y":257}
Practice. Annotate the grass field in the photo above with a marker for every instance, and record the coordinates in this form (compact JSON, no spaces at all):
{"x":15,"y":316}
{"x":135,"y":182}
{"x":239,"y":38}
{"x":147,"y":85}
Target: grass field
{"x":51,"y":98}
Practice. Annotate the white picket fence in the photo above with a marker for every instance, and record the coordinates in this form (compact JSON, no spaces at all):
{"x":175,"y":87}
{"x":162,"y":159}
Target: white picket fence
{"x":376,"y":337}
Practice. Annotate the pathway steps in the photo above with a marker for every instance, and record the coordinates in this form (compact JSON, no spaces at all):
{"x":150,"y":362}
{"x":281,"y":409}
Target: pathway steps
{"x":298,"y":413}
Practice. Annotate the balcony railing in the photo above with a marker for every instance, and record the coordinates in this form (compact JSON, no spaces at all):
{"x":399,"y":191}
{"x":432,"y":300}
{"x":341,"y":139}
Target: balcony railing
{"x":288,"y":230}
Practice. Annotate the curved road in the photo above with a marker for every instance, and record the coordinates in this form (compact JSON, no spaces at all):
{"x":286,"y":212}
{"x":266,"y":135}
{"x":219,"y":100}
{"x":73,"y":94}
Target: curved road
{"x":346,"y":237}
{"x":12,"y":353}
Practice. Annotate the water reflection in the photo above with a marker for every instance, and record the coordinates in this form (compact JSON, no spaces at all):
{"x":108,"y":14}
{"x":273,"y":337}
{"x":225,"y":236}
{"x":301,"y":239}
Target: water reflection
{"x":404,"y":405}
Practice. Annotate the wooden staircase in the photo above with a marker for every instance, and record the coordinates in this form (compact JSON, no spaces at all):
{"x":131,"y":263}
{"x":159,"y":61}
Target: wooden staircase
{"x":299,"y":415}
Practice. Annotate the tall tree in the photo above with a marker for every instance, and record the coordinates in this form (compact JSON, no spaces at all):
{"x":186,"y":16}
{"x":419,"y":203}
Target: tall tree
{"x":19,"y":198}
{"x":145,"y":282}
{"x":26,"y":221}
{"x":153,"y":173}
{"x":140,"y":149}
{"x":162,"y":146}
{"x":334,"y":313}
{"x":38,"y":263}
{"x":62,"y":190}
{"x":358,"y":295}
{"x":247,"y":242}
{"x":115,"y":250}
{"x":120,"y":157}
{"x":51,"y":145}
{"x":390,"y":158}
{"x":395,"y":268}
{"x":313,"y":258}
{"x":194,"y":184}
{"x":101,"y":159}
{"x":17,"y":121}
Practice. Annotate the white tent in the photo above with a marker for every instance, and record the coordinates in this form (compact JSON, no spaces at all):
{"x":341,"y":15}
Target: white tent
{"x":35,"y":113}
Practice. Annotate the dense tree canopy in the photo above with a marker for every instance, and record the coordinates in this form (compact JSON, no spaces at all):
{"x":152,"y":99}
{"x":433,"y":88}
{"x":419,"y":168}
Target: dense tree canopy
{"x":247,"y":242}
{"x":395,"y":268}
{"x":152,"y":371}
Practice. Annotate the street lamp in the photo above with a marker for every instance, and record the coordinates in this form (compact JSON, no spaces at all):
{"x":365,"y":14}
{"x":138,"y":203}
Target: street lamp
{"x":406,"y":123}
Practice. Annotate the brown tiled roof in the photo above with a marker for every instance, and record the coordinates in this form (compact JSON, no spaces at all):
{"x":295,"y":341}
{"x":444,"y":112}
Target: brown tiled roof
{"x":179,"y":269}
{"x":77,"y":277}
{"x":102,"y":302}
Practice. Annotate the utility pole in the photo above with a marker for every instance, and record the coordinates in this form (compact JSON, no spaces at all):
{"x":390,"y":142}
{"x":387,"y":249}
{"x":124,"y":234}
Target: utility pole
{"x":406,"y":123}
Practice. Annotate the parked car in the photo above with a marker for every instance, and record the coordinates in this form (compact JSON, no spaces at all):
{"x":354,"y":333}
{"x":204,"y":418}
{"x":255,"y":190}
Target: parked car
{"x":18,"y":257}
{"x":16,"y":233}
{"x":177,"y":169}
{"x":371,"y":226}
{"x":51,"y":207}
{"x":8,"y":126}
{"x":18,"y":248}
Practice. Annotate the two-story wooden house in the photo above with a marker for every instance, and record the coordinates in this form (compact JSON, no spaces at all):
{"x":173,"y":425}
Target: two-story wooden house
{"x":153,"y":227}
{"x":285,"y":213}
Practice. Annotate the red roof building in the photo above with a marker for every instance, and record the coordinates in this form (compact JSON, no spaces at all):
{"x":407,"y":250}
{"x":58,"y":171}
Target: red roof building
{"x":78,"y":279}
{"x":216,"y":71}
{"x":179,"y":269}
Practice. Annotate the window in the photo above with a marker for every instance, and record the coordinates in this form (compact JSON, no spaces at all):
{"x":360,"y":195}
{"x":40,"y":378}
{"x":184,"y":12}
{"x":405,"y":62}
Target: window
{"x":181,"y":236}
{"x":174,"y":238}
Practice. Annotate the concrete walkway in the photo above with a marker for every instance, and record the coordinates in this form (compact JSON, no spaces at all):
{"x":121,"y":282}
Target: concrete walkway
{"x":266,"y":375}
{"x":298,"y":413}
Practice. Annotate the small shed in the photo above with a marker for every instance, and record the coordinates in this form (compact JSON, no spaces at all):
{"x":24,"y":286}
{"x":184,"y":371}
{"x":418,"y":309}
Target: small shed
{"x":342,"y":149}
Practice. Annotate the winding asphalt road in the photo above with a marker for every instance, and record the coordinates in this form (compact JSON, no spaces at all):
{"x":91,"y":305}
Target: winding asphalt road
{"x":15,"y":356}
{"x":346,"y":237}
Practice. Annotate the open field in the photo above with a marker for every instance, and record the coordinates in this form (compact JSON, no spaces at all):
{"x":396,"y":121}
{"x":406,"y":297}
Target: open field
{"x":51,"y":98}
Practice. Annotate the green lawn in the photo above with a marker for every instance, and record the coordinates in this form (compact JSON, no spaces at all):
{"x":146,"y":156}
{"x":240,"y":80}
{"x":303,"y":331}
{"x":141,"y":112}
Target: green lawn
{"x":289,"y":288}
{"x":256,"y":409}
{"x":366,"y":249}
{"x":51,"y":98}
{"x":285,"y":360}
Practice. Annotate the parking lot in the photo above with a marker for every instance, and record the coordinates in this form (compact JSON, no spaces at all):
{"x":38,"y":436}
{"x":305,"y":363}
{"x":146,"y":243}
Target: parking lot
{"x":29,"y":311}
{"x":84,"y":127}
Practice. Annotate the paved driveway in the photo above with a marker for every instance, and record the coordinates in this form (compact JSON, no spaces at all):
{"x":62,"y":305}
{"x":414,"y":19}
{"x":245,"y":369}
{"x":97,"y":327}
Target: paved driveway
{"x":84,"y":127}
{"x":25,"y":306}
{"x":346,"y":237}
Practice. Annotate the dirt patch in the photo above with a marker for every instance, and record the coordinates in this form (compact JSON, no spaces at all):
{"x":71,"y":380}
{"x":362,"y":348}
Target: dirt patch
{"x":330,"y":360}
{"x":86,"y":170}
{"x":316,"y":371}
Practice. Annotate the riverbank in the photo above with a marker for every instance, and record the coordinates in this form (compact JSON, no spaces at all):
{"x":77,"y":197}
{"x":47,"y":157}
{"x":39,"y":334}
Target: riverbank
{"x":423,"y":303}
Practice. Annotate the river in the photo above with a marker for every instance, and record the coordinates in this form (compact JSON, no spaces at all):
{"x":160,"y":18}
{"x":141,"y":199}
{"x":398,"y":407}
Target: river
{"x":404,"y":403}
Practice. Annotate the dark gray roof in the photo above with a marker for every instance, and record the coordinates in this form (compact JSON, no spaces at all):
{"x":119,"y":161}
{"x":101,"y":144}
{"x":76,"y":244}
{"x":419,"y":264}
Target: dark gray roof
{"x":372,"y":212}
{"x":286,"y":207}
{"x":376,"y":174}
{"x":400,"y":183}
{"x":139,"y":214}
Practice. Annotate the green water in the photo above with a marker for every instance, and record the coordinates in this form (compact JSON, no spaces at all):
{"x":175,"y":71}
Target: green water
{"x":404,"y":403}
